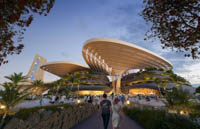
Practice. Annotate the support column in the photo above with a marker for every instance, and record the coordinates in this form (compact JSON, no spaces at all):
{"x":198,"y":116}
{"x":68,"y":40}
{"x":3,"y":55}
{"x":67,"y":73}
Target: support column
{"x":118,"y":85}
{"x":113,"y":84}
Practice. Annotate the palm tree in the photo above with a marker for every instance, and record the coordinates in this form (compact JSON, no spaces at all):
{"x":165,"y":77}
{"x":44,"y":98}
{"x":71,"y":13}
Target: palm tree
{"x":37,"y":84}
{"x":16,"y":78}
{"x":76,"y":78}
{"x":68,"y":78}
{"x":10,"y":97}
{"x":72,"y":78}
{"x":58,"y":84}
{"x":158,"y":82}
{"x":77,"y":81}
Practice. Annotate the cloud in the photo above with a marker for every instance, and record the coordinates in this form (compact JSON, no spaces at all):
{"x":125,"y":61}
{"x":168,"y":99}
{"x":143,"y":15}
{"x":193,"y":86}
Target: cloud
{"x":190,"y":72}
{"x":65,"y":55}
{"x":127,"y":18}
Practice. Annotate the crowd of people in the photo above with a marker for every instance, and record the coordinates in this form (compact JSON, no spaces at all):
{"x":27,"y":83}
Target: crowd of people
{"x":94,"y":99}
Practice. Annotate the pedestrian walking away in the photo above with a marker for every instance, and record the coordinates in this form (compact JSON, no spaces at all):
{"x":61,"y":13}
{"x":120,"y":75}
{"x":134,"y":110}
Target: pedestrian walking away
{"x":116,"y":117}
{"x":104,"y":110}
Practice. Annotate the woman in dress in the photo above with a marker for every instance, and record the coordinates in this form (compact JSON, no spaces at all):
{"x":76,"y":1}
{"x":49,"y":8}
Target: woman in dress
{"x":116,"y":117}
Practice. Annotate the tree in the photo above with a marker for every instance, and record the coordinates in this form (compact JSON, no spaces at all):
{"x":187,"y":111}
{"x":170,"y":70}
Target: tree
{"x":76,"y":78}
{"x":65,"y":91}
{"x":158,"y":82}
{"x":16,"y":78}
{"x":37,"y":85}
{"x":69,"y":79}
{"x":176,"y":23}
{"x":58,"y":84}
{"x":198,"y":89}
{"x":10,"y":96}
{"x":174,"y":79}
{"x":15,"y":17}
{"x":178,"y":98}
{"x":72,"y":78}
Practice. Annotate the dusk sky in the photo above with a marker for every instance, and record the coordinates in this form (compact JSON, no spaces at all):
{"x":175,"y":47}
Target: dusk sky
{"x":61,"y":35}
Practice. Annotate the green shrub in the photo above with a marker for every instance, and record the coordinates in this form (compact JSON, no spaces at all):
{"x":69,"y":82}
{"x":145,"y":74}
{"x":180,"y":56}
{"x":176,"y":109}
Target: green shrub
{"x":178,"y":97}
{"x":195,"y":112}
{"x":24,"y":113}
{"x":198,"y":89}
{"x":157,"y":119}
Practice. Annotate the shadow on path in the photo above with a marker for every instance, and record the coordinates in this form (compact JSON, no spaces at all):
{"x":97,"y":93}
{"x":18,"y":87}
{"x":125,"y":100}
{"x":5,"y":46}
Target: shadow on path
{"x":94,"y":122}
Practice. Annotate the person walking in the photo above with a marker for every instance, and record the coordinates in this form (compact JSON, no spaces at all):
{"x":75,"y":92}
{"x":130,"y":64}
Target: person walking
{"x":62,"y":100}
{"x":41,"y":100}
{"x":122,"y":99}
{"x":112,"y":95}
{"x":105,"y":107}
{"x":116,"y":117}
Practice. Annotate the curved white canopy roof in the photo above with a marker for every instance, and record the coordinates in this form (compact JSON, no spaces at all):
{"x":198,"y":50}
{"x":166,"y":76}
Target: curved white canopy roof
{"x":60,"y":68}
{"x":116,"y":57}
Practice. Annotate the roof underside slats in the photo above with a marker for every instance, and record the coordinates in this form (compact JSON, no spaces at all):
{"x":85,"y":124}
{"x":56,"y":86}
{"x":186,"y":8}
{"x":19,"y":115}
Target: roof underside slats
{"x":120,"y":56}
{"x":62,"y":67}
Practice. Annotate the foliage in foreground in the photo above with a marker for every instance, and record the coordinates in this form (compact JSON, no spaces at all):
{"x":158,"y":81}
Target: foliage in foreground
{"x":15,"y":17}
{"x":198,"y":89}
{"x":176,"y":23}
{"x":156,"y":119}
{"x":24,"y":113}
{"x":12,"y":94}
{"x":178,"y":97}
{"x":10,"y":97}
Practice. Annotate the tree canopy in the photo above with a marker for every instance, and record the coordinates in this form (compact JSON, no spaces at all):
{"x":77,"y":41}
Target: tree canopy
{"x":15,"y":17}
{"x":176,"y":23}
{"x":177,"y":97}
{"x":198,"y":89}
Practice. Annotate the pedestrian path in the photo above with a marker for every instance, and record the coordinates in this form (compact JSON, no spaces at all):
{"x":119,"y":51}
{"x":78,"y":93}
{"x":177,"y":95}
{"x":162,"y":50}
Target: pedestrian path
{"x":95,"y":122}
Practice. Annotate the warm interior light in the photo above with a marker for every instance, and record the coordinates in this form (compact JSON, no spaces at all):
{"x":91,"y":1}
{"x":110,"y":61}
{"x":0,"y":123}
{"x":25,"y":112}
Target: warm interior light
{"x":90,"y":92}
{"x":143,"y":91}
{"x":78,"y":101}
{"x":127,"y":102}
{"x":3,"y":106}
{"x":182,"y":112}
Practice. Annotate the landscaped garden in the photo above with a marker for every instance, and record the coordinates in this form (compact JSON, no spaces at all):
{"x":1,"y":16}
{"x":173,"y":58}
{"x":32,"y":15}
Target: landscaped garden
{"x":158,"y":119}
{"x":48,"y":117}
{"x":179,"y":112}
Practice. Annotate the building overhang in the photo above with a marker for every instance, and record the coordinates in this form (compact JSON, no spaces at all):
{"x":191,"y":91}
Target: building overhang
{"x":117,"y":57}
{"x":60,"y":68}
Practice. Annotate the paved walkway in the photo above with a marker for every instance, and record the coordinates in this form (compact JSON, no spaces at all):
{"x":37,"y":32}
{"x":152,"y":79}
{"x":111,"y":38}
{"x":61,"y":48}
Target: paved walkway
{"x":94,"y":122}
